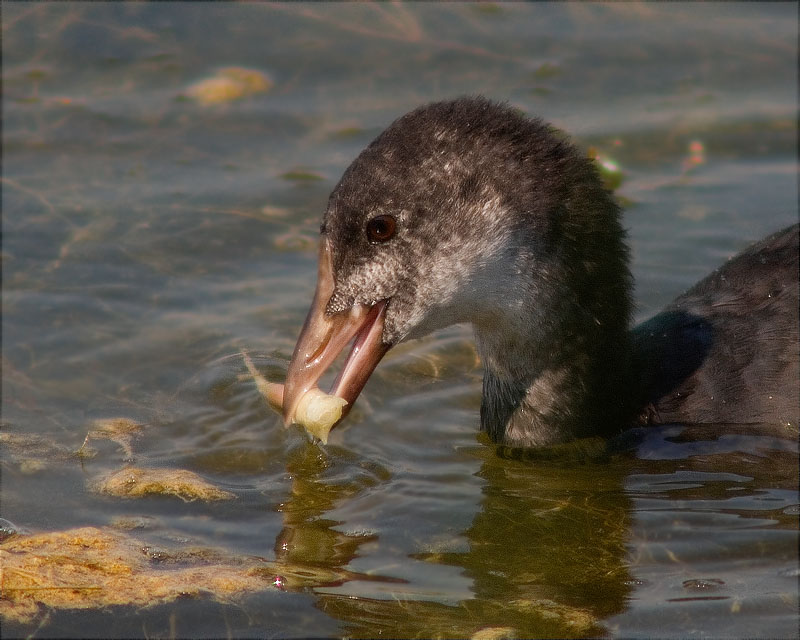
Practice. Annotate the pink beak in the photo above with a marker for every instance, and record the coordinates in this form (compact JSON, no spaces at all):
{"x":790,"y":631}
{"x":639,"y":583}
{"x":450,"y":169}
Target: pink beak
{"x":324,"y":337}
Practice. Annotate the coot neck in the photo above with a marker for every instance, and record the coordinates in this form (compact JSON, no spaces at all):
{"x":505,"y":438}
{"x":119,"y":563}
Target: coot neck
{"x":557,"y":358}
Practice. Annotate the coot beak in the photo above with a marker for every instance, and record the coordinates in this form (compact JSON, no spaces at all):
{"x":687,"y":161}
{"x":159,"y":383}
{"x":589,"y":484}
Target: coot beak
{"x":324,"y":337}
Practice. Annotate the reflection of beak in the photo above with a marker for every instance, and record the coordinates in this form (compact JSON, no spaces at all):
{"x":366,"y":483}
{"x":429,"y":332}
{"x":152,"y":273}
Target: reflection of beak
{"x":325,"y":336}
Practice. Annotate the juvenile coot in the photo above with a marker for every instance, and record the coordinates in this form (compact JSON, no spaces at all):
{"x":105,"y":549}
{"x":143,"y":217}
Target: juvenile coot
{"x":468,"y":211}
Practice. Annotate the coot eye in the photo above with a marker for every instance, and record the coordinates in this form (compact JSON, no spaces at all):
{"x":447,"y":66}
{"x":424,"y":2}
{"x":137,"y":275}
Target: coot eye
{"x":380,"y":229}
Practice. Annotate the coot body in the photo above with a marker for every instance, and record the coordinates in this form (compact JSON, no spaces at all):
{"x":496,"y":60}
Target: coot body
{"x":726,"y":351}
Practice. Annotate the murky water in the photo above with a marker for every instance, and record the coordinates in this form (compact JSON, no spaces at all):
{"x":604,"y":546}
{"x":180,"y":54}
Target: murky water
{"x":151,"y":237}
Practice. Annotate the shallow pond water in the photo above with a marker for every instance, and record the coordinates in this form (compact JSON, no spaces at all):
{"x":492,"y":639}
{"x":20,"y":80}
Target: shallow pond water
{"x":154,"y":231}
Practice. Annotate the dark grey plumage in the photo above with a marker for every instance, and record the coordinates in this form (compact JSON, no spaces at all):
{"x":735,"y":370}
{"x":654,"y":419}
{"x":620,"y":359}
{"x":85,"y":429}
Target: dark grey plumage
{"x":504,"y":224}
{"x":726,"y":351}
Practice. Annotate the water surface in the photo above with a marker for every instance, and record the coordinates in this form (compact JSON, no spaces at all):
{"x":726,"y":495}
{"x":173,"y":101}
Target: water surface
{"x":149,"y":239}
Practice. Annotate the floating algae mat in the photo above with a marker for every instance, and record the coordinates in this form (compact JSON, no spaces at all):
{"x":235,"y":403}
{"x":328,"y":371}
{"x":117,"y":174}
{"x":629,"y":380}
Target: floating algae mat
{"x":229,"y":84}
{"x":133,"y":482}
{"x":89,"y":567}
{"x":92,"y":568}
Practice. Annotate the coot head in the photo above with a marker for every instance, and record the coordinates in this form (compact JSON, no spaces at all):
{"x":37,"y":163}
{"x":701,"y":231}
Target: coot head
{"x":467,"y":211}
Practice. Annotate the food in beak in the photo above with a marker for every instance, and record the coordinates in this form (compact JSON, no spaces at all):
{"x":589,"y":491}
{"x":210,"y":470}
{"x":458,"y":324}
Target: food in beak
{"x":323,"y":337}
{"x":316,"y":411}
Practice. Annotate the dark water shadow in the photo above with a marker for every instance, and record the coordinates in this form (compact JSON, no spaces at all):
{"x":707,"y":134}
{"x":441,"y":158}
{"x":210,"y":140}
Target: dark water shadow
{"x":546,"y":556}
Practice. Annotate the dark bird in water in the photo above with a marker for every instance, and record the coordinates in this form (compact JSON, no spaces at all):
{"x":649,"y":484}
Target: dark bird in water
{"x":468,"y":211}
